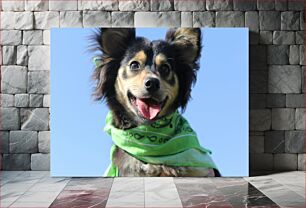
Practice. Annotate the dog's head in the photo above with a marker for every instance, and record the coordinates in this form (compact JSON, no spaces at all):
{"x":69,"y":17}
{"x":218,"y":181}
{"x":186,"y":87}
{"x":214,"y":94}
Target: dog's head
{"x":144,"y":80}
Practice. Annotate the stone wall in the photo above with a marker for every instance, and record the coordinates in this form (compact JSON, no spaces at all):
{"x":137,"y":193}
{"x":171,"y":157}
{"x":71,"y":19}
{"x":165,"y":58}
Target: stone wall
{"x":276,"y":68}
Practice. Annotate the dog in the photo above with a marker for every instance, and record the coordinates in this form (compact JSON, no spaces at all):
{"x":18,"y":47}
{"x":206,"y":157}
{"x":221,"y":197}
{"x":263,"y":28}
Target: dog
{"x":143,"y":81}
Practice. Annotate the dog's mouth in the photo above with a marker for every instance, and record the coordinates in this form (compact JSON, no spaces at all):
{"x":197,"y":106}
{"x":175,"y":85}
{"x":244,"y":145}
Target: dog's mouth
{"x":147,"y":107}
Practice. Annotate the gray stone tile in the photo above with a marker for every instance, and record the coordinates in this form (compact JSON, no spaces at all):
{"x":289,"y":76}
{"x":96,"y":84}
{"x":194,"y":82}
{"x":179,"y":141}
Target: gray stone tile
{"x":269,"y":20}
{"x":196,"y":5}
{"x":23,"y":142}
{"x":256,"y":144}
{"x":157,"y":19}
{"x":274,"y":141}
{"x":203,"y":19}
{"x":4,"y":141}
{"x":13,"y":79}
{"x":283,"y":118}
{"x":294,"y":141}
{"x":161,"y":5}
{"x":260,"y":120}
{"x":71,"y":19}
{"x":301,"y":164}
{"x":35,"y":119}
{"x":261,"y":161}
{"x":98,"y":5}
{"x":229,"y":19}
{"x":257,"y":101}
{"x":278,"y":54}
{"x":281,"y":5}
{"x":16,"y":161}
{"x":122,"y":19}
{"x":290,"y":20}
{"x":258,"y":81}
{"x":244,"y":5}
{"x":276,"y":100}
{"x":300,"y":119}
{"x":285,"y":79}
{"x":219,"y":5}
{"x":98,"y":19}
{"x":265,"y":5}
{"x":285,"y":162}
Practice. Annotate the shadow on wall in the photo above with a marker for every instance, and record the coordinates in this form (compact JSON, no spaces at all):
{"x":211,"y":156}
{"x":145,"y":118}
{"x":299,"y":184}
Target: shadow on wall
{"x":276,"y":104}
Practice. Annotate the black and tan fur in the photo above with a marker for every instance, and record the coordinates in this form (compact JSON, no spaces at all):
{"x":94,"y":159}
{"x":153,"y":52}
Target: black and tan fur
{"x":127,"y":62}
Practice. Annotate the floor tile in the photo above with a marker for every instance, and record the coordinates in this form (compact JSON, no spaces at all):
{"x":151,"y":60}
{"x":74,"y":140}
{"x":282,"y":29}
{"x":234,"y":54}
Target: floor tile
{"x":89,"y":184}
{"x":277,"y":192}
{"x":15,"y":187}
{"x":125,"y":199}
{"x":6,"y":176}
{"x":200,"y":192}
{"x":163,"y":198}
{"x":22,"y":204}
{"x":8,"y":200}
{"x":38,"y":196}
{"x":295,"y":181}
{"x":156,"y":184}
{"x":128,"y":184}
{"x":80,"y":199}
{"x":49,"y":186}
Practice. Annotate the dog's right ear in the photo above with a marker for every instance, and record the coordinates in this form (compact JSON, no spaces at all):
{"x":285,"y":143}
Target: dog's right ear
{"x":114,"y":41}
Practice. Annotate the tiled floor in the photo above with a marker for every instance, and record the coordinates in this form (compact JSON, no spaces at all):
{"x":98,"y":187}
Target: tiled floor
{"x":36,"y":189}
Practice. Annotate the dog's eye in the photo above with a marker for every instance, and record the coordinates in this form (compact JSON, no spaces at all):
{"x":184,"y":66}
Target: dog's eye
{"x":164,"y":69}
{"x":135,"y":65}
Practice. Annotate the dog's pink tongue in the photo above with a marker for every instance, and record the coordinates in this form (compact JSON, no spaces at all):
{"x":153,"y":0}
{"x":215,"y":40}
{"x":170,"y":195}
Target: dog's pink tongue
{"x":147,"y":111}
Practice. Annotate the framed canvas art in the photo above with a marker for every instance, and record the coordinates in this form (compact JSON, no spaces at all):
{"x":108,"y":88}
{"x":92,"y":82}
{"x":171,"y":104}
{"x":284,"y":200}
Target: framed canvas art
{"x":149,"y":102}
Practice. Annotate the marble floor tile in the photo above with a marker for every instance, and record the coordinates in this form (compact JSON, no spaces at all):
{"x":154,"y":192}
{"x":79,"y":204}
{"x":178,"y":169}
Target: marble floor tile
{"x":295,"y":181}
{"x":163,"y":198}
{"x":36,"y":197}
{"x":277,"y":192}
{"x":15,"y":187}
{"x":81,"y":199}
{"x":49,"y":186}
{"x":6,"y":176}
{"x":22,"y":204}
{"x":9,"y":199}
{"x":152,"y":184}
{"x":161,"y":192}
{"x":238,"y":192}
{"x":89,"y":184}
{"x":125,"y":199}
{"x":128,"y":184}
{"x":200,"y":192}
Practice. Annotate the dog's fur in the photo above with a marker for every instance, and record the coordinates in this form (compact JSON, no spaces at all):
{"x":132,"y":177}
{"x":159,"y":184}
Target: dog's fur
{"x":127,"y":62}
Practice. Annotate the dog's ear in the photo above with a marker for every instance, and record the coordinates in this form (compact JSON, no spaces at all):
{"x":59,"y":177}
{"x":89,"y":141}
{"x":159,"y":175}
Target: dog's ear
{"x":115,"y":41}
{"x":186,"y":42}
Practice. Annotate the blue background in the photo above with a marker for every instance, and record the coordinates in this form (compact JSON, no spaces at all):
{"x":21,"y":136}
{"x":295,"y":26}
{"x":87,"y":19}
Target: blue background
{"x":218,"y":111}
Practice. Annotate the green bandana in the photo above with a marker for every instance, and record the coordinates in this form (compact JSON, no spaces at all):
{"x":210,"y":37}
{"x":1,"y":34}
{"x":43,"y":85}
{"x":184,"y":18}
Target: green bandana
{"x":169,"y":141}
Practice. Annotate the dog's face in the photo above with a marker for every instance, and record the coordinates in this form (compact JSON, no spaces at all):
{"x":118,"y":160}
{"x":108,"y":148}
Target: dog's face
{"x":147,"y":79}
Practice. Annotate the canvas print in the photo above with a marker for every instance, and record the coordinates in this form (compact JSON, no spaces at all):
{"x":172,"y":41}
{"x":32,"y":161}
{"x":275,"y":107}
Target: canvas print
{"x":172,"y":102}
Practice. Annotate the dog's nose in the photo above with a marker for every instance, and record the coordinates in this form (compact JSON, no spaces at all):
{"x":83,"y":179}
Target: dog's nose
{"x":152,"y":84}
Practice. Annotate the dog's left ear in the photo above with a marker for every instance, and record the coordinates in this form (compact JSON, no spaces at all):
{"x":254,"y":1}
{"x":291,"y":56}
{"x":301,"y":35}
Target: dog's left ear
{"x":186,"y":42}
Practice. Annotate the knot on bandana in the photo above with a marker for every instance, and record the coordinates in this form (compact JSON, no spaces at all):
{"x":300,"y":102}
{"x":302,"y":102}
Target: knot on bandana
{"x":168,"y":141}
